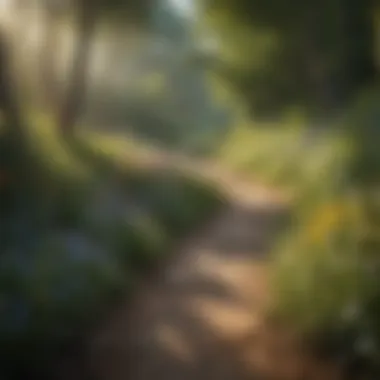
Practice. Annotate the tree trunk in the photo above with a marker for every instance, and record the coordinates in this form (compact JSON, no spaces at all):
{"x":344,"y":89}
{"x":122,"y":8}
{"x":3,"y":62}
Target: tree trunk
{"x":359,"y":62}
{"x":9,"y":106}
{"x":77,"y":84}
{"x":48,"y":63}
{"x":16,"y":165}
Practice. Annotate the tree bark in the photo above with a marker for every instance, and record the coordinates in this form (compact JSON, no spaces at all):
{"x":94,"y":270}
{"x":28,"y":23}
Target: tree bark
{"x":15,"y":161}
{"x":9,"y":105}
{"x":359,"y":62}
{"x":48,"y":63}
{"x":76,"y":91}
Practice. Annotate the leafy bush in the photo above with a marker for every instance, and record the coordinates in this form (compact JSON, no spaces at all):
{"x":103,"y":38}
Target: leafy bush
{"x":61,"y":285}
{"x":128,"y":229}
{"x":318,"y":274}
{"x":178,"y":201}
{"x":326,"y":272}
{"x":92,"y":221}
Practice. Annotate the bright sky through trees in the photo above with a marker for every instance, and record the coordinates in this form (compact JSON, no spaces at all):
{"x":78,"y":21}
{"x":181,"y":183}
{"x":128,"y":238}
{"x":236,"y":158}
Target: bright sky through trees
{"x":185,"y":8}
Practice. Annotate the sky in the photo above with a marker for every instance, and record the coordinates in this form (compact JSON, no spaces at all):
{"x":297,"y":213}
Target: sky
{"x":185,"y":8}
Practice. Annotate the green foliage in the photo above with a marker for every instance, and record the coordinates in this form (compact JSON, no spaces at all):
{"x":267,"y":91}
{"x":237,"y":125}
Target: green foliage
{"x":278,"y":55}
{"x":179,"y":201}
{"x":67,"y":279}
{"x":363,"y":125}
{"x":322,"y":254}
{"x":290,"y":154}
{"x":165,"y":98}
{"x":53,"y":296}
{"x":326,"y":272}
{"x":105,"y":221}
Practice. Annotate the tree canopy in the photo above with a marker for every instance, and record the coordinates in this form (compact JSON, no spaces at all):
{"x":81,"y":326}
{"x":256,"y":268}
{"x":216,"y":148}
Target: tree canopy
{"x":296,"y":53}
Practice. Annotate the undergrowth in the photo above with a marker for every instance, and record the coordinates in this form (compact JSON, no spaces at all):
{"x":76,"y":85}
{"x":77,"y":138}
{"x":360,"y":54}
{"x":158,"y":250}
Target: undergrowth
{"x":325,"y":277}
{"x":82,"y":229}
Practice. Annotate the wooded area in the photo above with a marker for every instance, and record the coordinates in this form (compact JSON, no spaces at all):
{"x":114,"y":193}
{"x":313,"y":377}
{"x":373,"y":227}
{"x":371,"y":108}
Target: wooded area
{"x":283,"y":94}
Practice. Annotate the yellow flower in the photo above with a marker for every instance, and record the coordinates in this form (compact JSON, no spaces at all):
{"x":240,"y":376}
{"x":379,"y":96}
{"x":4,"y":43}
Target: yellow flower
{"x":327,"y":219}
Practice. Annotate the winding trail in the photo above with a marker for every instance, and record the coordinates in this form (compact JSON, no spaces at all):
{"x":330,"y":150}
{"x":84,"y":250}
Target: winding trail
{"x":201,"y":316}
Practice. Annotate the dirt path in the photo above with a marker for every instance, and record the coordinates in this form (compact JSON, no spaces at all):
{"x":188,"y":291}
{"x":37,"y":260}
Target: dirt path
{"x":201,"y":317}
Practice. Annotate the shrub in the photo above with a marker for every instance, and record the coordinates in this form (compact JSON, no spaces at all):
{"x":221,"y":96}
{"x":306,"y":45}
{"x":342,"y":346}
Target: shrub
{"x":326,"y":275}
{"x":180,"y":202}
{"x":93,"y":221}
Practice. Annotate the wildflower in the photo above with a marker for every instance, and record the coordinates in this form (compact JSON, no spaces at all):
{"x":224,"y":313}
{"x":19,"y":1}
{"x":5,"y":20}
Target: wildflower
{"x":327,"y":218}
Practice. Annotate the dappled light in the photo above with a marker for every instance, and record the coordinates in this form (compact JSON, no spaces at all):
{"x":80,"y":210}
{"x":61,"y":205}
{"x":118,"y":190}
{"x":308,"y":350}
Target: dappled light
{"x":173,"y":340}
{"x":189,"y":189}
